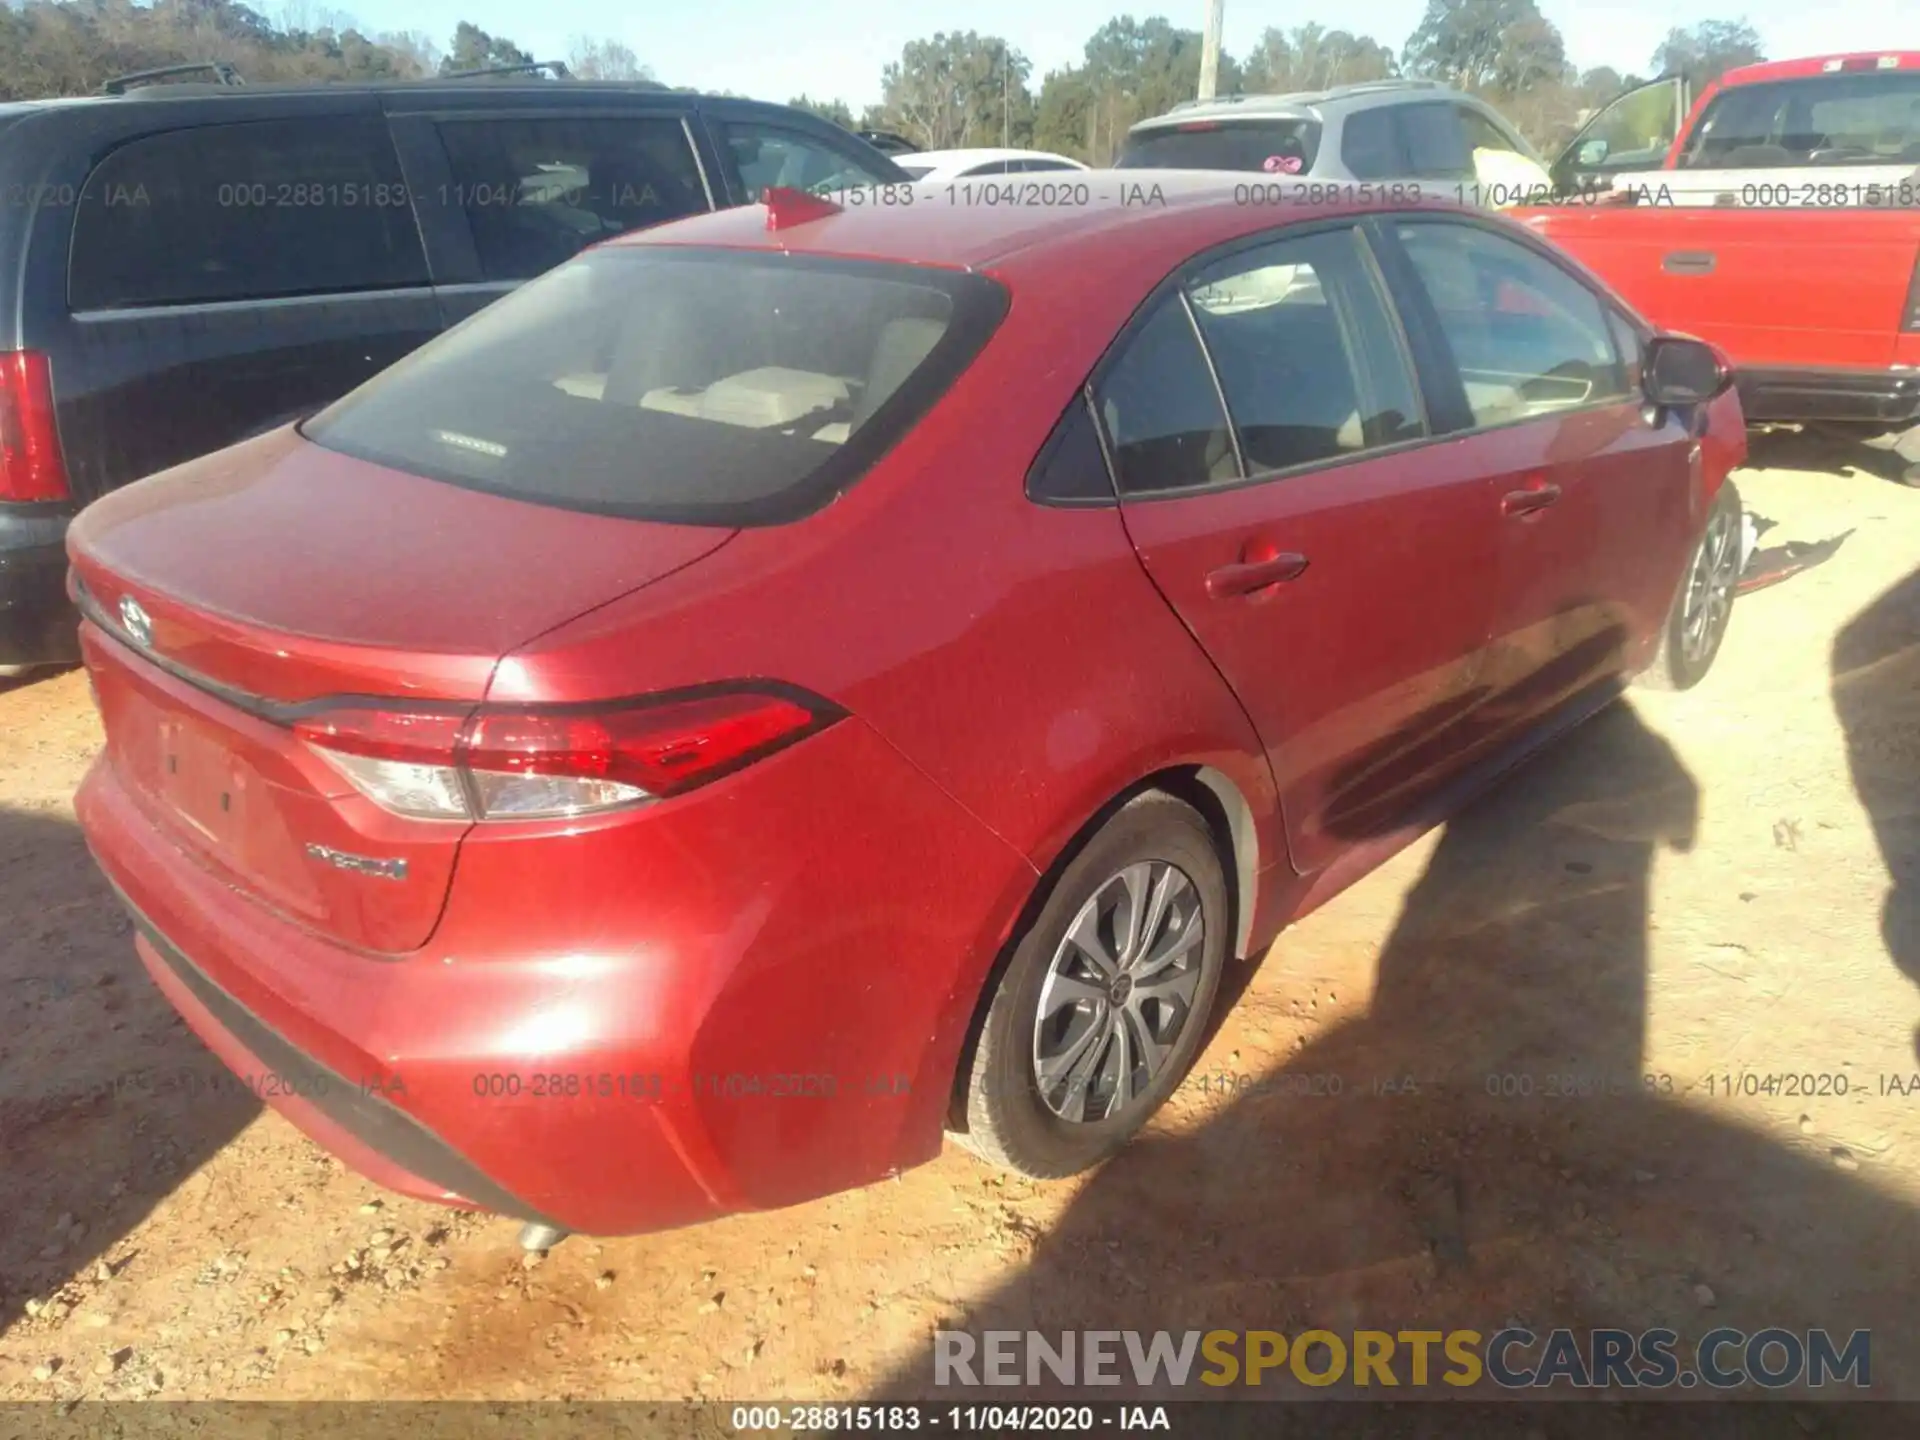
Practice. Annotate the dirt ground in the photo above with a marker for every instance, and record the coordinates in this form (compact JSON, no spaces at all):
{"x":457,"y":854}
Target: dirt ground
{"x":1688,"y":891}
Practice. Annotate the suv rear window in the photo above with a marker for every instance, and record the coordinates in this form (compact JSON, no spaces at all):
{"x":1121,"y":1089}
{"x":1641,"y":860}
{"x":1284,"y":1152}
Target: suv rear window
{"x":1276,"y":146}
{"x":250,"y":211}
{"x":671,"y":383}
{"x":1871,"y":118}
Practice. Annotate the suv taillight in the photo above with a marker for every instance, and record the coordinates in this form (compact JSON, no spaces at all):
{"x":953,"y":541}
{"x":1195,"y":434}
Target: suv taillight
{"x":30,"y":464}
{"x":545,"y":762}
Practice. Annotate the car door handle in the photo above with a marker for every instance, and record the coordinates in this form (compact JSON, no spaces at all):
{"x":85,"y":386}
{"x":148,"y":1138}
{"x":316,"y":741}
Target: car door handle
{"x":1688,"y":262}
{"x":1530,"y":500}
{"x":1248,"y":576}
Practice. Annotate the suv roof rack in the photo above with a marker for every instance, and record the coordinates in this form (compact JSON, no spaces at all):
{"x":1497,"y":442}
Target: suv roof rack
{"x":223,"y":74}
{"x":558,"y":67}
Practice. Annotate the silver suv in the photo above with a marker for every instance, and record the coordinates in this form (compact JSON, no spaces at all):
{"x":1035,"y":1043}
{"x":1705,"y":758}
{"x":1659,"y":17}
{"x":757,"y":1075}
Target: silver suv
{"x":1449,"y":143}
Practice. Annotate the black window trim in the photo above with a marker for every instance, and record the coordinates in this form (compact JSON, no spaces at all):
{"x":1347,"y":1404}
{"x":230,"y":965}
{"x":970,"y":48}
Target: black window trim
{"x":1437,"y":386}
{"x":1178,"y":283}
{"x":1415,"y":298}
{"x":220,"y":121}
{"x":980,"y":304}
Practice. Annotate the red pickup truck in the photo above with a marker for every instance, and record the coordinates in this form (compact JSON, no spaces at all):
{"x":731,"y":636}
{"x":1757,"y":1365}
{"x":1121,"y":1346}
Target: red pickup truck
{"x":1783,"y":225}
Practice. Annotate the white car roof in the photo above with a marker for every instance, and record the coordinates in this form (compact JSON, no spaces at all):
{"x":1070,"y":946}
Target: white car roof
{"x":943,"y":161}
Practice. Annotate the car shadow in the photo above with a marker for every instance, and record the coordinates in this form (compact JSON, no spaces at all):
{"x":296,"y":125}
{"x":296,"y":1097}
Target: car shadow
{"x":107,"y":1100}
{"x":1486,"y":1146}
{"x":1876,"y":694}
{"x":1827,"y":451}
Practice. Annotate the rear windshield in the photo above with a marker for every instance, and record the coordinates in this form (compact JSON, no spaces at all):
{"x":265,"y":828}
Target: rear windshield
{"x":708,"y":387}
{"x":1276,"y":147}
{"x":1868,"y":118}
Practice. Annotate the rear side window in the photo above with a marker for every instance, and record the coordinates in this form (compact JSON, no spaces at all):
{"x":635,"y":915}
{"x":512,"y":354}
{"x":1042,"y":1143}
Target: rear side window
{"x":1416,"y":142}
{"x":708,"y":387}
{"x":1870,"y":118}
{"x":1161,"y":409}
{"x":1275,"y":147}
{"x":1306,"y":352}
{"x":251,"y":211}
{"x":767,"y":155}
{"x":537,"y":192}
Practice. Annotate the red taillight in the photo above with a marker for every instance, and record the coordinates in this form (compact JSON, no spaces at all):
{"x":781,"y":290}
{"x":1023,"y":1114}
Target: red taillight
{"x":1191,"y":126}
{"x":30,"y":464}
{"x":662,"y":749}
{"x":452,"y":763}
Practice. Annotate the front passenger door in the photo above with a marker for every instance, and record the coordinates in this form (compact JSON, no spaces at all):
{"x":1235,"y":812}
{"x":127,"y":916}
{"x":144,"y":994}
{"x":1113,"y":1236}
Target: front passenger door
{"x":1594,"y":486}
{"x":1339,"y":573}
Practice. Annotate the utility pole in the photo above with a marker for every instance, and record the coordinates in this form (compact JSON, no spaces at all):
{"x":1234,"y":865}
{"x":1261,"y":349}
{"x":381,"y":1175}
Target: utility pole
{"x":1210,"y":49}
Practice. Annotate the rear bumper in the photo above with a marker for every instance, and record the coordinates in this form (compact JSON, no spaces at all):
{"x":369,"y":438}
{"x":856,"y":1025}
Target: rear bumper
{"x":715,"y":1028}
{"x":1888,"y":398}
{"x":38,"y":624}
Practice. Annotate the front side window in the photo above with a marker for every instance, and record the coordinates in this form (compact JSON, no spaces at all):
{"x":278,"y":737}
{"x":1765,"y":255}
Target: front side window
{"x":1306,"y":352}
{"x":1634,"y":130}
{"x":1868,"y":118}
{"x":709,"y":387}
{"x":1161,"y":410}
{"x":537,"y":192}
{"x":1527,"y":338}
{"x":768,"y":156}
{"x":253,"y":211}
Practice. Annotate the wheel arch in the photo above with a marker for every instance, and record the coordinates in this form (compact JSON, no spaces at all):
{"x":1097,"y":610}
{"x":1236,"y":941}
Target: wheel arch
{"x":1229,"y":820}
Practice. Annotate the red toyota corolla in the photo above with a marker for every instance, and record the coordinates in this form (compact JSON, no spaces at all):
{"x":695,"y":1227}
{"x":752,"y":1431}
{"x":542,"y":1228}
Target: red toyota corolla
{"x":808,"y":677}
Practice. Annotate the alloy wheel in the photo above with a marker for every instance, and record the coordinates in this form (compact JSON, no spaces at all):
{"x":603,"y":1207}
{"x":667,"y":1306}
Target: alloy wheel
{"x":1118,"y":992}
{"x":1710,"y":585}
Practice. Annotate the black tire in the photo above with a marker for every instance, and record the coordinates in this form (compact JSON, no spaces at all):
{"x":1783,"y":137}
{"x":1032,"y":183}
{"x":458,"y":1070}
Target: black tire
{"x":1009,"y":1122}
{"x":1676,"y":666}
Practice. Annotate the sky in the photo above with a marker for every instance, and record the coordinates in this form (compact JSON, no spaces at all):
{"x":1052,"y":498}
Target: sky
{"x":835,"y":49}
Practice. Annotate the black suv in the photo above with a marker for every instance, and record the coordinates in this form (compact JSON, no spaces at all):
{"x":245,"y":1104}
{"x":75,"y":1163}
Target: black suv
{"x":183,"y":265}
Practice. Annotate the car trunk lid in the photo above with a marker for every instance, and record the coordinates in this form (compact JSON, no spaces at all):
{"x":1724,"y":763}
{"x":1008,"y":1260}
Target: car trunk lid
{"x":230,"y":595}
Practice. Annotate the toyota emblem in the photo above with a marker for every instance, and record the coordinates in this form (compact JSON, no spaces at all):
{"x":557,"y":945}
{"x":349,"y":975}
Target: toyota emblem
{"x":135,"y":620}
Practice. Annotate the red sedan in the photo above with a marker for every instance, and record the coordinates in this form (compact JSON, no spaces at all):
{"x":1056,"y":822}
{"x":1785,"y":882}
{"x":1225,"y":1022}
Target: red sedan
{"x":808,"y":678}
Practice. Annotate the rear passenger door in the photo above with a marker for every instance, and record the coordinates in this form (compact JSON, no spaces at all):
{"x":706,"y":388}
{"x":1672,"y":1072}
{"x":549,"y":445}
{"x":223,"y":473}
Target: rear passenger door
{"x":1265,"y":429}
{"x":224,"y":278}
{"x":508,"y":195}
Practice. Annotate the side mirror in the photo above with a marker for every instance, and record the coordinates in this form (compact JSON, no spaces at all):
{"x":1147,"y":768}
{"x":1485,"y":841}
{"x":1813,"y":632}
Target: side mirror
{"x":1593,"y":152}
{"x":1679,"y":370}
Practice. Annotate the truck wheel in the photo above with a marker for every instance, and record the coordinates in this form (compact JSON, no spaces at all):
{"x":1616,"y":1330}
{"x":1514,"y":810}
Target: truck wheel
{"x":1697,"y":620}
{"x":1105,"y":1001}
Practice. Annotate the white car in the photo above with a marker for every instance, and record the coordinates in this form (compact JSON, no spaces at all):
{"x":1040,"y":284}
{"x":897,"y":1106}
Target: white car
{"x":939,"y":166}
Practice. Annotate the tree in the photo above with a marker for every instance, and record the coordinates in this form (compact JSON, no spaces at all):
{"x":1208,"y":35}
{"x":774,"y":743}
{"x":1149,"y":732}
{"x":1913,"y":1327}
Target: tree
{"x":605,"y":59}
{"x":1312,"y":58}
{"x":1708,"y":50}
{"x":838,"y":111}
{"x":474,"y":49}
{"x":1503,"y":47}
{"x":958,"y":89}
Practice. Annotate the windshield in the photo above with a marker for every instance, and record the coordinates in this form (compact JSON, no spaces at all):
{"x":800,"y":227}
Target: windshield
{"x":1275,"y":146}
{"x":711,"y":387}
{"x":1868,"y":118}
{"x":916,"y":172}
